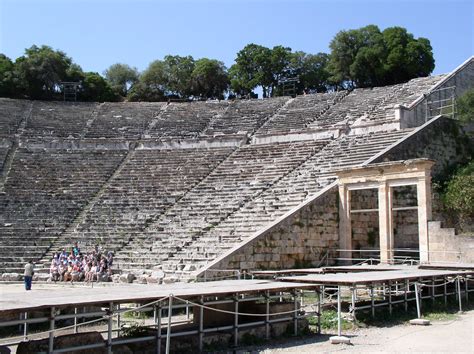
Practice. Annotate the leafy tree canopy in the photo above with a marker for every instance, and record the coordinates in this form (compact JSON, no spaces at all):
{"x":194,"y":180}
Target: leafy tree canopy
{"x":121,"y":77}
{"x":252,"y":68}
{"x":311,"y":70}
{"x":209,"y":78}
{"x":95,"y":88}
{"x":367,"y":57}
{"x":6,"y":76}
{"x":41,"y":70}
{"x":179,"y":71}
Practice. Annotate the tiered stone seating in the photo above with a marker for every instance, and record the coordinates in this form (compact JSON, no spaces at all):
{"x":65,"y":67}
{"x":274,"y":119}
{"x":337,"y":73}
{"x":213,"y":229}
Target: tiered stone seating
{"x":186,"y":120}
{"x":373,"y":104}
{"x":147,"y":184}
{"x":300,"y":112}
{"x":306,"y":180}
{"x":58,"y":119}
{"x":44,"y":191}
{"x":11,"y":114}
{"x":244,"y":116}
{"x":175,"y":205}
{"x":127,"y":120}
{"x":240,"y":178}
{"x":402,"y":94}
{"x":3,"y":154}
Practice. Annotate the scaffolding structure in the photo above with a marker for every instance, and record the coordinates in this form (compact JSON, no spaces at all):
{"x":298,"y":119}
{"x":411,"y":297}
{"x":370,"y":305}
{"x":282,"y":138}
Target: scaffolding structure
{"x":288,"y":86}
{"x":70,"y":90}
{"x":443,"y":104}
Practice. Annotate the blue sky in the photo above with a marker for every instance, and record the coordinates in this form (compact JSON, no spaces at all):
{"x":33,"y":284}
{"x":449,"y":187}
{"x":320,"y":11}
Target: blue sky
{"x":98,"y":33}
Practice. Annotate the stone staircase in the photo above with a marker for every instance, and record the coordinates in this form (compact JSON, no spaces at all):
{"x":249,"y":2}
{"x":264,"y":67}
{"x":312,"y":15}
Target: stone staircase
{"x":291,"y":190}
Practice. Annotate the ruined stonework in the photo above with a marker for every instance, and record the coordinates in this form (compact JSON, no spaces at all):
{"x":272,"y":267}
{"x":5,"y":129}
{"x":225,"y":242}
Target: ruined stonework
{"x":446,"y":246}
{"x":443,"y":140}
{"x":430,"y":104}
{"x":181,"y":185}
{"x":301,"y":240}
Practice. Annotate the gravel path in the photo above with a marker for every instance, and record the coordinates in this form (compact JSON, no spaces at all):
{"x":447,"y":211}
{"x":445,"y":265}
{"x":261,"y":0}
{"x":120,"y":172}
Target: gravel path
{"x":455,"y":336}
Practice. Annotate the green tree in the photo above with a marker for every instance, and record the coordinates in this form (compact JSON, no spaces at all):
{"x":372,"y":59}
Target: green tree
{"x":465,"y":107}
{"x":257,"y":65}
{"x":74,"y":73}
{"x":252,"y":68}
{"x":350,"y":51}
{"x":406,"y":57}
{"x":280,"y":67}
{"x":311,"y":70}
{"x":172,"y":76}
{"x":209,"y":78}
{"x":41,"y":70}
{"x":178,"y":71}
{"x":95,"y":88}
{"x":153,"y":81}
{"x":367,"y":57}
{"x":7,"y":85}
{"x":121,"y":77}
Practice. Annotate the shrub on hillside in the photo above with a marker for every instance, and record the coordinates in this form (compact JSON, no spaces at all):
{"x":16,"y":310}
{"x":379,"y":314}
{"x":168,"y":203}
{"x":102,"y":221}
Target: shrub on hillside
{"x":459,"y":193}
{"x":465,"y":105}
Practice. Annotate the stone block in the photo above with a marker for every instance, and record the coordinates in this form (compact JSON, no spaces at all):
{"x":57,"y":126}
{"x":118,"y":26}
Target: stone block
{"x":11,"y":277}
{"x":420,"y":322}
{"x":127,"y":278}
{"x":339,"y":340}
{"x":142,"y":279}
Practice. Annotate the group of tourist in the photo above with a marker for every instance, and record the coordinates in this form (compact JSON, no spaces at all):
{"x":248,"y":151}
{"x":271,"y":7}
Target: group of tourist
{"x":76,"y":266}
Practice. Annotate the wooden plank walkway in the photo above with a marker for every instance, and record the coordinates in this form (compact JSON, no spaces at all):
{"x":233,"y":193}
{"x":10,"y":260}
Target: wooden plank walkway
{"x":363,"y":278}
{"x":331,"y":269}
{"x":82,"y":296}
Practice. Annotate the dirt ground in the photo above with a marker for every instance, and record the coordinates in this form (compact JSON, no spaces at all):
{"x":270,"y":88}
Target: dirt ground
{"x":456,"y":336}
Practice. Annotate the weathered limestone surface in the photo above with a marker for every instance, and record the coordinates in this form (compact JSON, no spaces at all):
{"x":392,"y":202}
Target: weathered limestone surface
{"x":449,"y":247}
{"x":443,"y":141}
{"x":301,"y":240}
{"x":180,"y":184}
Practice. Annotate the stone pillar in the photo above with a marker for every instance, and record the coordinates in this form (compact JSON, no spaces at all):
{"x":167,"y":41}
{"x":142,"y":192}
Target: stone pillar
{"x":345,"y":229}
{"x":424,"y":215}
{"x":385,"y":223}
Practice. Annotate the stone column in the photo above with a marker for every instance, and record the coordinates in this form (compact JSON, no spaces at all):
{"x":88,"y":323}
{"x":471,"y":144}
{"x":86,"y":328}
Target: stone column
{"x":423,"y":190}
{"x":345,"y":229}
{"x":385,"y":223}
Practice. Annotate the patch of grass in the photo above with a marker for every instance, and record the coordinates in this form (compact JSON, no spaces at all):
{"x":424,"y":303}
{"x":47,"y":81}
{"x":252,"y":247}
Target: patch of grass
{"x":329,"y":321}
{"x":133,"y":331}
{"x":436,"y":311}
{"x":138,"y":315}
{"x":440,"y":316}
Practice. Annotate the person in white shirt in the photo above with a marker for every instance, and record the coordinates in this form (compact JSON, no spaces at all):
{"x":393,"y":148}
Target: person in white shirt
{"x":29,"y":271}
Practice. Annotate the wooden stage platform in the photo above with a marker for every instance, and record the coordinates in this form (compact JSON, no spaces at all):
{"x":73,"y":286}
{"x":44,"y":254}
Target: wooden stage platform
{"x":330,"y":269}
{"x":81,"y":296}
{"x":375,"y":277}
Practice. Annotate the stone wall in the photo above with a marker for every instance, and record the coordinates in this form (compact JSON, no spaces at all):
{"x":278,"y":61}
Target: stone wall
{"x":456,"y":83}
{"x":442,"y":140}
{"x":446,"y":246}
{"x":405,"y":222}
{"x":301,"y":240}
{"x":365,"y":225}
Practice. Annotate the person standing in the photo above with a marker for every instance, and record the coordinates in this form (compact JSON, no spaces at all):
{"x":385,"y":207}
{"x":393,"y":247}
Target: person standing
{"x":29,"y":271}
